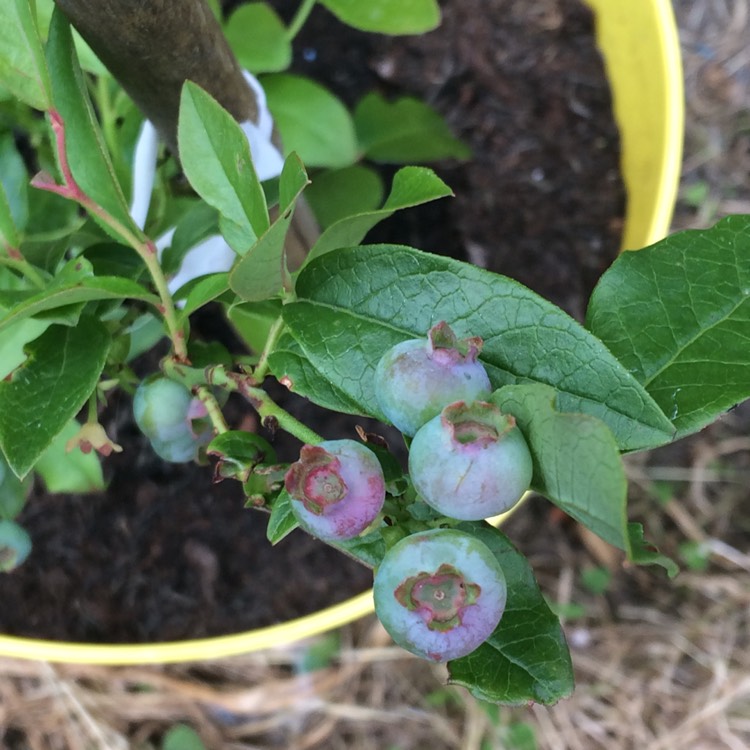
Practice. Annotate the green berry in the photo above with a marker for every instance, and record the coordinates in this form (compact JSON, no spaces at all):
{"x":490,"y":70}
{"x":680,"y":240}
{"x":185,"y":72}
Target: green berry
{"x":415,"y":379}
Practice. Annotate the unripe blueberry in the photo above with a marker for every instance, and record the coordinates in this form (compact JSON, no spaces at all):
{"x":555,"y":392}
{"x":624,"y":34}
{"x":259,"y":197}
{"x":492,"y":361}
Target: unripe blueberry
{"x":15,"y":545}
{"x":470,"y":462}
{"x":415,"y":379}
{"x":160,"y":407}
{"x":164,"y":410}
{"x":12,"y":491}
{"x":439,"y":594}
{"x":337,"y":488}
{"x":179,"y":450}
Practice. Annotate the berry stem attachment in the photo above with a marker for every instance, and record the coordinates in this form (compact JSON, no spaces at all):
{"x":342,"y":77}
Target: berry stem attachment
{"x":267,"y":408}
{"x":204,"y":395}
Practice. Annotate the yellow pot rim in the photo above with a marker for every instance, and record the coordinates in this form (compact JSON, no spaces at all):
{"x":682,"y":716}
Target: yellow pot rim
{"x":651,"y":118}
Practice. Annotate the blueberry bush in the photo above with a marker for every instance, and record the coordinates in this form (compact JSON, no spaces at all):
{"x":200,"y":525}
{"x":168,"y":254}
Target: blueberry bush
{"x":495,"y":389}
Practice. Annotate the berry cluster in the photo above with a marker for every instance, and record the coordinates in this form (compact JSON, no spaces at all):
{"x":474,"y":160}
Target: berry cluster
{"x":439,"y":593}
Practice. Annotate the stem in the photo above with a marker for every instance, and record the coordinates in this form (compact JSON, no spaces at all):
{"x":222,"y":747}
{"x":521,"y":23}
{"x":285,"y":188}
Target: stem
{"x":147,"y":251}
{"x":93,"y":416}
{"x":208,"y":400}
{"x":261,"y":402}
{"x":261,"y":369}
{"x":299,"y":19}
{"x":21,"y":265}
{"x":109,"y":127}
{"x":136,"y":239}
{"x":266,"y":407}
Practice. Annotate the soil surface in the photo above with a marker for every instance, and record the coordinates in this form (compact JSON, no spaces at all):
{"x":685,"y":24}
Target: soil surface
{"x":165,"y":553}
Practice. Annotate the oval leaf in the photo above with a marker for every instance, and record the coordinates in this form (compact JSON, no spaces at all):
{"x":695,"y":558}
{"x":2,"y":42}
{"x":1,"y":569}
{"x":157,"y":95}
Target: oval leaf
{"x":576,"y":461}
{"x":526,"y":660}
{"x":282,"y":520}
{"x":387,"y":16}
{"x":86,"y":152}
{"x":262,"y":272}
{"x":311,"y":120}
{"x":297,"y":373}
{"x":41,"y":396}
{"x":404,"y":131}
{"x":336,"y":194}
{"x":85,"y":290}
{"x":215,"y":155}
{"x":23,"y":70}
{"x":677,"y":315}
{"x":356,"y":303}
{"x":258,"y":38}
{"x":412,"y":186}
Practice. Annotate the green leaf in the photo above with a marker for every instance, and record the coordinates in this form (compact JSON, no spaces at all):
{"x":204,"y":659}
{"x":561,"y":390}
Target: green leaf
{"x":88,"y":59}
{"x":22,"y":67}
{"x":677,"y":315}
{"x":253,"y":321}
{"x":48,"y":390}
{"x":258,"y":38}
{"x":406,"y":131}
{"x":77,"y":291}
{"x":182,"y":737}
{"x":9,"y":235}
{"x":13,"y":492}
{"x":87,"y":155}
{"x":196,"y":225}
{"x":242,"y":449}
{"x":412,"y":186}
{"x":577,"y":464}
{"x":387,"y":16}
{"x":336,"y":194}
{"x":526,"y":659}
{"x":14,"y":182}
{"x":291,"y":367}
{"x":215,"y":155}
{"x":368,"y":549}
{"x":202,"y":291}
{"x":644,"y":553}
{"x":14,"y":339}
{"x":312,"y":121}
{"x":69,"y":471}
{"x":111,"y":259}
{"x":282,"y":521}
{"x":144,"y":332}
{"x":53,"y":225}
{"x":355,"y":303}
{"x":262,"y":272}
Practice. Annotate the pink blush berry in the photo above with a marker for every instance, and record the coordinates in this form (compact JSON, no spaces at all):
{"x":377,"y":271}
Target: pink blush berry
{"x":415,"y":379}
{"x":337,"y":489}
{"x":471,"y":462}
{"x":440,"y":594}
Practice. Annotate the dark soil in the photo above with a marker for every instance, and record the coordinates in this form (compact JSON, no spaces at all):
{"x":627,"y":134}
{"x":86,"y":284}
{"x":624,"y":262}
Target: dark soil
{"x":167,"y":554}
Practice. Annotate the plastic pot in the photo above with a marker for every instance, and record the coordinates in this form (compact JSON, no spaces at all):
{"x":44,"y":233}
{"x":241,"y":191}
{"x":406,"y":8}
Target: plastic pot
{"x":640,"y":46}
